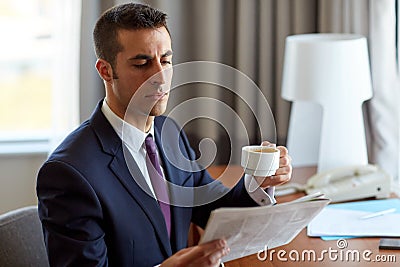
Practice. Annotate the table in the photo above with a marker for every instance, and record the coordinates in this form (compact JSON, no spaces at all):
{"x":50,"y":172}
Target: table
{"x":301,"y":251}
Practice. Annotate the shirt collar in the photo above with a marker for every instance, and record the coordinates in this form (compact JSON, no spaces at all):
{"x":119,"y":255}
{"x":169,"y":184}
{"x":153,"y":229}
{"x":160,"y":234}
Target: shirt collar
{"x":129,"y":134}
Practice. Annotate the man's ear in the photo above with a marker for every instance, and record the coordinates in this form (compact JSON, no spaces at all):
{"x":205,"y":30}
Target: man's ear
{"x":104,"y":69}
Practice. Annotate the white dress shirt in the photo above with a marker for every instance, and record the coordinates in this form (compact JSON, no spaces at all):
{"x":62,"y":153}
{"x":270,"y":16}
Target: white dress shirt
{"x":134,"y":140}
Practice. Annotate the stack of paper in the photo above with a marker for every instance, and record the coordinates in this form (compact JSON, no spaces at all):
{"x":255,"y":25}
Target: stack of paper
{"x":357,"y":219}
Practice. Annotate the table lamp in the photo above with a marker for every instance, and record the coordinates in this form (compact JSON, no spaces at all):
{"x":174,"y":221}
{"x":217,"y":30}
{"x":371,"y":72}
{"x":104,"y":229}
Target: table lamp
{"x":331,"y":70}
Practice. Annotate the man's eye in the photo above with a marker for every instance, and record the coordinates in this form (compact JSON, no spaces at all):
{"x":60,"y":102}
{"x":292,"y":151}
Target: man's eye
{"x":140,"y":65}
{"x":166,"y":62}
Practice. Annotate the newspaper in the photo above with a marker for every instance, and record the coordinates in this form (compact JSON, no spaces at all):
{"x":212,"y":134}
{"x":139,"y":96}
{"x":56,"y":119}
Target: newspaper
{"x":249,"y":230}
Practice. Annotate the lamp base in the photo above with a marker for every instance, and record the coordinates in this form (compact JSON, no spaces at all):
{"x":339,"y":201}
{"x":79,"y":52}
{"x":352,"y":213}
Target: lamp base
{"x":329,"y":137}
{"x":342,"y":137}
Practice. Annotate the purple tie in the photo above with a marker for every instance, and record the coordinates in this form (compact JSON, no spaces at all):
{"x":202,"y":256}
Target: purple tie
{"x":157,"y":180}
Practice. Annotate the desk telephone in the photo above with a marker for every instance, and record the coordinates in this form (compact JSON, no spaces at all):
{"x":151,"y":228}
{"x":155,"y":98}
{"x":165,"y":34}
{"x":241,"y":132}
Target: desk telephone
{"x":344,"y":184}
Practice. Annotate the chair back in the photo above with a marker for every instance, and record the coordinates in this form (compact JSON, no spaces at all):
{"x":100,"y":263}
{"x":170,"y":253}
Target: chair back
{"x":21,"y":239}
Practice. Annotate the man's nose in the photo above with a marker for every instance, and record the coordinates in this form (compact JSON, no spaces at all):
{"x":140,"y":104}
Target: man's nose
{"x":159,"y":76}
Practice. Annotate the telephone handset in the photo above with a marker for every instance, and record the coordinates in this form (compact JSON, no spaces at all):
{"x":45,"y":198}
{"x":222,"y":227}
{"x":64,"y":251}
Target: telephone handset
{"x":348,"y":183}
{"x":327,"y":177}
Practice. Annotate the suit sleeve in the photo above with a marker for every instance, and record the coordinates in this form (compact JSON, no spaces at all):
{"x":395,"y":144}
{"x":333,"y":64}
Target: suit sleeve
{"x":71,"y":214}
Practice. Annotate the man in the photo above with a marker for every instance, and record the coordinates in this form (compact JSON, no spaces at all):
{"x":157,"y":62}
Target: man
{"x":93,"y":205}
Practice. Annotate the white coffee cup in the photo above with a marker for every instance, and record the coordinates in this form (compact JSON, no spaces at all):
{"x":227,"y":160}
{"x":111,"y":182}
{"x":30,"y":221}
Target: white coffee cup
{"x":260,"y":160}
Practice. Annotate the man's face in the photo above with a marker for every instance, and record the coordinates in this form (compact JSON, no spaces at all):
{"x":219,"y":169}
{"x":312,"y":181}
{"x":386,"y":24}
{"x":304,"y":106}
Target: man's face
{"x":143,"y":70}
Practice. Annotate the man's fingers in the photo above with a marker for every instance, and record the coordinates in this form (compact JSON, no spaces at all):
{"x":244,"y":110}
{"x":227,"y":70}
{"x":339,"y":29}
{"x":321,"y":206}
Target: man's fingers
{"x":283,"y":151}
{"x":215,"y":257}
{"x":184,"y":251}
{"x":266,"y":143}
{"x":284,"y":161}
{"x":285,"y":170}
{"x":208,"y":253}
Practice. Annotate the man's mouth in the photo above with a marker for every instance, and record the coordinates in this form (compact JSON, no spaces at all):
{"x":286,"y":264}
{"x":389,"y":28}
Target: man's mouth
{"x":157,"y":96}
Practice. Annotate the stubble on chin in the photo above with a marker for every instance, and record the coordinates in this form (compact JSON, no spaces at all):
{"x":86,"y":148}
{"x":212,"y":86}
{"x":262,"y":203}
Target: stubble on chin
{"x":159,"y":108}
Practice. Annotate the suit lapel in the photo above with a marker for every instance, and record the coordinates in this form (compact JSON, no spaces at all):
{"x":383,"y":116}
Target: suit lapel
{"x":130,"y":175}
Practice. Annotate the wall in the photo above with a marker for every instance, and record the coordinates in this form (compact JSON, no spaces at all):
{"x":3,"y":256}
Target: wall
{"x":18,"y":180}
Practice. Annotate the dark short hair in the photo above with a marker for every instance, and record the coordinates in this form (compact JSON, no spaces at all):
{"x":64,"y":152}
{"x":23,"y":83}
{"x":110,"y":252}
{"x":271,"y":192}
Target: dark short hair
{"x":130,"y":16}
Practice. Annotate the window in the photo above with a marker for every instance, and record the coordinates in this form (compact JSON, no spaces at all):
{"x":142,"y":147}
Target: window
{"x":40,"y":43}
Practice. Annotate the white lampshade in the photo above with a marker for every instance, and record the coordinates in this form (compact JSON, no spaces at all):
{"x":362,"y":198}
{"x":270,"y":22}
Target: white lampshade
{"x":333,"y":71}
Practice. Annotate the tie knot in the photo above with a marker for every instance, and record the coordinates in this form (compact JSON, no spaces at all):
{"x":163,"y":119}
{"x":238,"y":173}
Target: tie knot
{"x":150,"y":144}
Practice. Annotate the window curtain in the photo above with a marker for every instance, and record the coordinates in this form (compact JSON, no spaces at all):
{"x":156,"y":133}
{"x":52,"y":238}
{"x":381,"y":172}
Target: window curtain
{"x":90,"y":84}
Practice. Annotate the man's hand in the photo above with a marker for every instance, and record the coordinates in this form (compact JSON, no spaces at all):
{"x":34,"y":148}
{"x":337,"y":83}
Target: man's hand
{"x":283,"y":174}
{"x":208,"y":255}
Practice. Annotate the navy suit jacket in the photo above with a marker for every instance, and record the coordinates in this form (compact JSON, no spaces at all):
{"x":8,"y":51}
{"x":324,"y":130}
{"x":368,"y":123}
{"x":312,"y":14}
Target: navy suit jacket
{"x":93,"y":210}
